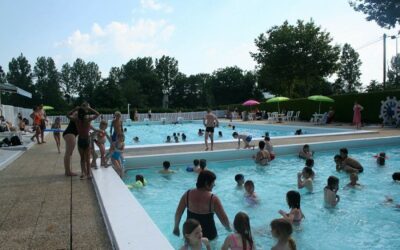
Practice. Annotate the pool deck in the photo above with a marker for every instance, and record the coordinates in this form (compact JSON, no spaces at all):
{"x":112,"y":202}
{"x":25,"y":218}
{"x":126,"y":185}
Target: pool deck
{"x":40,"y":208}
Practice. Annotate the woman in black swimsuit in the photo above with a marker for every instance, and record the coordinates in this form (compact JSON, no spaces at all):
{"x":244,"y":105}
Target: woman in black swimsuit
{"x":69,"y":136}
{"x":201,"y":205}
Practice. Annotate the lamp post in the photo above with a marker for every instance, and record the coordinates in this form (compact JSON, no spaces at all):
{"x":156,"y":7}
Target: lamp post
{"x":129,"y":114}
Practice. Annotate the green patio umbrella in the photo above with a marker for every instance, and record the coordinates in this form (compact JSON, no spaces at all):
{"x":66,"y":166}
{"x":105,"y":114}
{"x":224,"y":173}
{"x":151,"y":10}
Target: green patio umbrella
{"x":320,"y":98}
{"x":278,"y":99}
{"x":46,"y":107}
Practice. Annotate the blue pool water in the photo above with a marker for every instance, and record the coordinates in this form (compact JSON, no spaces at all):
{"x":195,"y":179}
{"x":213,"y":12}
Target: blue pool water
{"x":157,"y":133}
{"x":360,"y":221}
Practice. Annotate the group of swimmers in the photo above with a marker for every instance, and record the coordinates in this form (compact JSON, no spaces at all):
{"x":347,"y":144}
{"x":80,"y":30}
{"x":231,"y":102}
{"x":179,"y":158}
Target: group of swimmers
{"x":281,"y":228}
{"x":176,"y":137}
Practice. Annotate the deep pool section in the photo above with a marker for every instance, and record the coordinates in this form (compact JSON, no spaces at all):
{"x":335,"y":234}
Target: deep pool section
{"x":362,"y":220}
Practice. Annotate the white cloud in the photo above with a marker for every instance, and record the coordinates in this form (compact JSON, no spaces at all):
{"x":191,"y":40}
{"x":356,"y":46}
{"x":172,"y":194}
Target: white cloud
{"x":142,"y":38}
{"x":154,"y":5}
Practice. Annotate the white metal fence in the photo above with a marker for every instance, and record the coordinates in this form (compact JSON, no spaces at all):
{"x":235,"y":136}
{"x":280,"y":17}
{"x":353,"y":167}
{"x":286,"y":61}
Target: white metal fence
{"x":10,"y":113}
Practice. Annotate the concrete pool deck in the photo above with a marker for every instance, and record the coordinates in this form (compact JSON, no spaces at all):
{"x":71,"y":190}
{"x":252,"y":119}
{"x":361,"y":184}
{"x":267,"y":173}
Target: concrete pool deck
{"x":40,"y":208}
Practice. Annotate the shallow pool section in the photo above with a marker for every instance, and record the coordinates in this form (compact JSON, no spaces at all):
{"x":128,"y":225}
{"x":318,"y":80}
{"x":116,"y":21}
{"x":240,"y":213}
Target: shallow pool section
{"x":156,"y":132}
{"x":361,"y":220}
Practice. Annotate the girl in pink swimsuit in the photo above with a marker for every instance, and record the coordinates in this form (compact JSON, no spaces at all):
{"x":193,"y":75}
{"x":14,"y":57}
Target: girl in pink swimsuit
{"x":357,"y":108}
{"x":242,"y":239}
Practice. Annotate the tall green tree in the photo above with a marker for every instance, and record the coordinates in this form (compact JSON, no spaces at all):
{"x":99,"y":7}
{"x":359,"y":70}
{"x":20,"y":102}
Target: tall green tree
{"x":291,"y":56}
{"x":386,"y":13}
{"x":20,"y":74}
{"x":139,"y":76}
{"x":85,"y":77}
{"x":2,"y":75}
{"x":47,"y":82}
{"x":108,"y":93}
{"x":67,"y":84}
{"x":394,"y":73}
{"x":240,"y":86}
{"x":374,"y":86}
{"x":349,"y":70}
{"x":167,"y":71}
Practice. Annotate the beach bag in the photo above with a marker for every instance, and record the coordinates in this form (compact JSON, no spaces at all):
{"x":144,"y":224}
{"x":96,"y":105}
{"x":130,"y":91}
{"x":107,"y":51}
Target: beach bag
{"x":15,"y":141}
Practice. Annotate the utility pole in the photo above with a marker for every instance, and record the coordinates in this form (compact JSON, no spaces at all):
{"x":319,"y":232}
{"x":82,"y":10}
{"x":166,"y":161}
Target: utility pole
{"x":384,"y":61}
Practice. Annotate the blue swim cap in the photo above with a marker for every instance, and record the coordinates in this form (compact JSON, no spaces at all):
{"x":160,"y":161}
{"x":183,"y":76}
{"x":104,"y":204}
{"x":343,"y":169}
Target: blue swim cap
{"x":189,"y":169}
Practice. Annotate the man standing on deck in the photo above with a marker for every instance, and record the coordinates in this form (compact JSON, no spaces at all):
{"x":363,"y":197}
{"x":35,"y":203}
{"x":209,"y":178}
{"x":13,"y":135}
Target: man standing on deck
{"x":210,"y":121}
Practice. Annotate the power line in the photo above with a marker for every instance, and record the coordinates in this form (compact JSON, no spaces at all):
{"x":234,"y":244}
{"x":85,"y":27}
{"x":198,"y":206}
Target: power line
{"x":370,"y":43}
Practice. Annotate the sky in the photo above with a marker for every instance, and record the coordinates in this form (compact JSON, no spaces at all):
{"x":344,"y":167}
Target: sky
{"x":203,"y":35}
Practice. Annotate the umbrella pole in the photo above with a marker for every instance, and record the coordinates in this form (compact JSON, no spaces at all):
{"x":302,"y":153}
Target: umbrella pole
{"x":278,"y":108}
{"x":319,"y":108}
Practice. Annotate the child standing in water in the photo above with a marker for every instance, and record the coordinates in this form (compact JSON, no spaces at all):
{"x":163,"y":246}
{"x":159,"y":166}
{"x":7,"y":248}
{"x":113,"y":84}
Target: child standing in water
{"x":330,"y":196}
{"x":239,"y":178}
{"x":305,"y":179}
{"x":295,"y":215}
{"x":281,"y":229}
{"x":250,"y":195}
{"x":242,"y":238}
{"x":56,"y":126}
{"x":193,"y":234}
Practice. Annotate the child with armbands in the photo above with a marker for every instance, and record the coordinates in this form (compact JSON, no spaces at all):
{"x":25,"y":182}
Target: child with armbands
{"x":381,"y":159}
{"x":140,"y":182}
{"x":166,"y":170}
{"x":56,"y":126}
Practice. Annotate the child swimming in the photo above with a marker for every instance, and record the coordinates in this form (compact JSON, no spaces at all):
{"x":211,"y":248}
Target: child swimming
{"x":295,"y":215}
{"x":136,"y":139}
{"x":193,"y":234}
{"x":242,"y":238}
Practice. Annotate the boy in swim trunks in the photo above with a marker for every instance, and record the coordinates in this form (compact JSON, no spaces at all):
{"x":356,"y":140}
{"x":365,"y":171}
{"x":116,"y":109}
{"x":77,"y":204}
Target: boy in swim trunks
{"x":246,"y":138}
{"x":210,"y":121}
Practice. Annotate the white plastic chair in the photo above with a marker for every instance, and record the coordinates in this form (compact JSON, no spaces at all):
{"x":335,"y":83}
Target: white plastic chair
{"x":297,"y":116}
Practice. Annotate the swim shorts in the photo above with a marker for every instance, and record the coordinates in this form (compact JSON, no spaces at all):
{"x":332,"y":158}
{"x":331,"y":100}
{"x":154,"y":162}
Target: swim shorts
{"x":210,"y":129}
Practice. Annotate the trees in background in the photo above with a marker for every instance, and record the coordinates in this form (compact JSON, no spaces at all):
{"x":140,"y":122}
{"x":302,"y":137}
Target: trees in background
{"x":349,"y":73}
{"x":394,"y":73}
{"x":291,"y":59}
{"x":386,"y":13}
{"x":47,"y":84}
{"x":374,"y":86}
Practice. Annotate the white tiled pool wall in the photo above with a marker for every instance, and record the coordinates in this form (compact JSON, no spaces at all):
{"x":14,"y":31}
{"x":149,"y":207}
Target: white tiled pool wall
{"x":130,"y":227}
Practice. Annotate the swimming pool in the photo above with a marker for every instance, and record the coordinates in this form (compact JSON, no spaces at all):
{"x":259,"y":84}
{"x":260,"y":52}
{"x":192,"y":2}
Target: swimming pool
{"x":156,"y":132}
{"x":361,"y":220}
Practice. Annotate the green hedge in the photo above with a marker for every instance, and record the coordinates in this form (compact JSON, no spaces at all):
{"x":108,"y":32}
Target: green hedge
{"x":343,"y":106}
